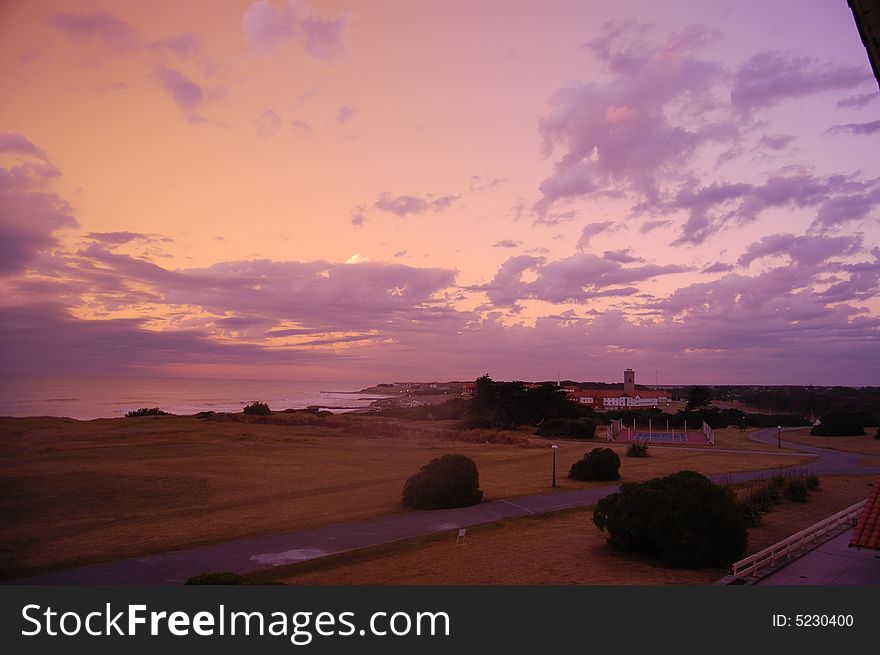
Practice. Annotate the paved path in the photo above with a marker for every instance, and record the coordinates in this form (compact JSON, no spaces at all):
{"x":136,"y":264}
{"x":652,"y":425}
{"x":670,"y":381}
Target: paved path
{"x":830,"y":563}
{"x":246,"y":555}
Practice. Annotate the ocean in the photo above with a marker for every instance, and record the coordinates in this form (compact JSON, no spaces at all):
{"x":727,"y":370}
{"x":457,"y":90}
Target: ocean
{"x":89,"y":397}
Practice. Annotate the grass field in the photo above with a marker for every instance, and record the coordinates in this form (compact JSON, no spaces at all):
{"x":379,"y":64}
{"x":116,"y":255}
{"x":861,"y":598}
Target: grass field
{"x":78,"y":492}
{"x":864,"y":444}
{"x":561,"y":548}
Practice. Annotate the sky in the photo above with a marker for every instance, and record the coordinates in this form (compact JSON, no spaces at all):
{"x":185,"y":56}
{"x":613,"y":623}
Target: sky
{"x":395,"y":190}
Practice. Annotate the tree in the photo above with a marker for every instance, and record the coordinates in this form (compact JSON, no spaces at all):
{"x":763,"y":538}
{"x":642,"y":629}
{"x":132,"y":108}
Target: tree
{"x":698,"y":397}
{"x":683,"y":518}
{"x":444,"y":482}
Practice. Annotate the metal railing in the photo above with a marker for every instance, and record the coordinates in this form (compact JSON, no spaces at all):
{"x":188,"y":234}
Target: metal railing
{"x":786,"y":547}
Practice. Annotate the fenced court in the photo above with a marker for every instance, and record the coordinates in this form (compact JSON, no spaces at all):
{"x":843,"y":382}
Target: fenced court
{"x":626,"y":434}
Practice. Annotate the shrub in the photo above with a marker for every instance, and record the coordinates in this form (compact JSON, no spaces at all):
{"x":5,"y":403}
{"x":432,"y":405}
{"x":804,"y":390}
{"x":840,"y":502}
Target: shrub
{"x":684,"y":519}
{"x":877,"y":435}
{"x":257,"y":409}
{"x":582,"y":428}
{"x":474,"y":423}
{"x":637,"y":449}
{"x":796,"y":490}
{"x":598,"y":464}
{"x":147,"y":411}
{"x":839,"y":424}
{"x":762,"y":498}
{"x":750,"y":512}
{"x":448,"y":481}
{"x":812,"y":481}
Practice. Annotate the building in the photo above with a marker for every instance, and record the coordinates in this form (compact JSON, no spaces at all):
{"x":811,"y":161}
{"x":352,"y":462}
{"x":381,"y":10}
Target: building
{"x":628,"y":397}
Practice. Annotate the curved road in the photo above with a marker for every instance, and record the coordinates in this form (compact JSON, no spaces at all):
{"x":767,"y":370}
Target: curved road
{"x":247,"y":555}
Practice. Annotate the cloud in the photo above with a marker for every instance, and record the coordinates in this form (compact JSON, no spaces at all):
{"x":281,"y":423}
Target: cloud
{"x":13,"y":142}
{"x":185,"y":45}
{"x":857,"y":101}
{"x":577,"y":278}
{"x":268,"y":123}
{"x":480,"y":183}
{"x":301,"y":128}
{"x":650,"y":226}
{"x":807,"y":250}
{"x":403,"y":205}
{"x":109,"y":32}
{"x":187,"y":95}
{"x":359,"y":216}
{"x":718,"y":267}
{"x":117,"y":238}
{"x":507,"y":243}
{"x":712,"y":208}
{"x":29,"y":213}
{"x":640,"y":128}
{"x":856,"y":129}
{"x":591,"y":230}
{"x":777,"y":141}
{"x":621,"y":256}
{"x":770,"y":77}
{"x":344,"y":114}
{"x":267,"y":27}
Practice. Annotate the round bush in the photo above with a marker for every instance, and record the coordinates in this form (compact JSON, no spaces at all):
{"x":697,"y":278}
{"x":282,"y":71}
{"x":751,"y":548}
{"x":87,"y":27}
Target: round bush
{"x":598,"y":464}
{"x":257,"y":409}
{"x":448,"y":481}
{"x":796,"y":490}
{"x":684,"y":519}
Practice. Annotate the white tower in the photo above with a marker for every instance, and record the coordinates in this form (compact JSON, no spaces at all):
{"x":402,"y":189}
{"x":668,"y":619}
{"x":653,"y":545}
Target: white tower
{"x":629,"y":381}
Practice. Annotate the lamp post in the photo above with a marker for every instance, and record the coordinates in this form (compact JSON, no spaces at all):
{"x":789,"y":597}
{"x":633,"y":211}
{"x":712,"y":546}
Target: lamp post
{"x":555,"y":448}
{"x":779,"y":436}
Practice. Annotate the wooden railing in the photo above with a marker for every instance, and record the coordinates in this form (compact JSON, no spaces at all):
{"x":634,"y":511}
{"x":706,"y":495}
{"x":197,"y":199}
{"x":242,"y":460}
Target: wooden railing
{"x":767,"y":557}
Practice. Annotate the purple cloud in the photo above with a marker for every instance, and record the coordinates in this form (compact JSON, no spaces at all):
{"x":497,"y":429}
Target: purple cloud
{"x":803,"y":250}
{"x":856,"y":129}
{"x":301,"y":128}
{"x":480,"y":183}
{"x":188,"y":95}
{"x":593,"y":229}
{"x":777,"y":141}
{"x":627,"y":133}
{"x":268,"y":123}
{"x":650,"y":226}
{"x":29,"y":215}
{"x":507,"y":243}
{"x":712,"y":208}
{"x":857,"y":101}
{"x":117,"y":238}
{"x":770,"y":77}
{"x":109,"y":32}
{"x":718,"y":267}
{"x":403,"y":205}
{"x":621,"y":256}
{"x":267,"y":27}
{"x":359,"y":216}
{"x":577,"y":278}
{"x":344,"y":114}
{"x":186,"y":45}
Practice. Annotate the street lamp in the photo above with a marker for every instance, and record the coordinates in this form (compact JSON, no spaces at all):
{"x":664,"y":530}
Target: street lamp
{"x":555,"y":448}
{"x":779,"y":436}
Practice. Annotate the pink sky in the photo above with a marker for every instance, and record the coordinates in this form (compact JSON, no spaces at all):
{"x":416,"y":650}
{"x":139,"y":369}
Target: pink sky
{"x":399,"y":190}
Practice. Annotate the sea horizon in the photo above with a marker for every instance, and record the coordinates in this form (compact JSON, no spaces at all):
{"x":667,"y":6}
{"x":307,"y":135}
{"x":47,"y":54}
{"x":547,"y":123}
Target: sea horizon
{"x":87,"y":397}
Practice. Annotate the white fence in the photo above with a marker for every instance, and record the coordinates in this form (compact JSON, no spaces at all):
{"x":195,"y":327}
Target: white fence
{"x":767,"y":557}
{"x":709,"y":432}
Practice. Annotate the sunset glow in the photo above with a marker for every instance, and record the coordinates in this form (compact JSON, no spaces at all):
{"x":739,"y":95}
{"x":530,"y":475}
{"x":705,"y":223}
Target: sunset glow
{"x":412,"y":190}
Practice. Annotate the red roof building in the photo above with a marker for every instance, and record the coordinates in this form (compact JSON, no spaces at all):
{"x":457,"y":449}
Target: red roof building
{"x":867,"y":534}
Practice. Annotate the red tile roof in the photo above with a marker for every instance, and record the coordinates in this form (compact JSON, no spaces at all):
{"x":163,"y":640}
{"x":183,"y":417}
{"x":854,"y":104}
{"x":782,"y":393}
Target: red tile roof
{"x":867,"y":534}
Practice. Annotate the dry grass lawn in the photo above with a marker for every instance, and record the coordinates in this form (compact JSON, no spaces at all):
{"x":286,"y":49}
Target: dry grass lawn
{"x":79,"y":492}
{"x":561,"y":548}
{"x":864,"y":445}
